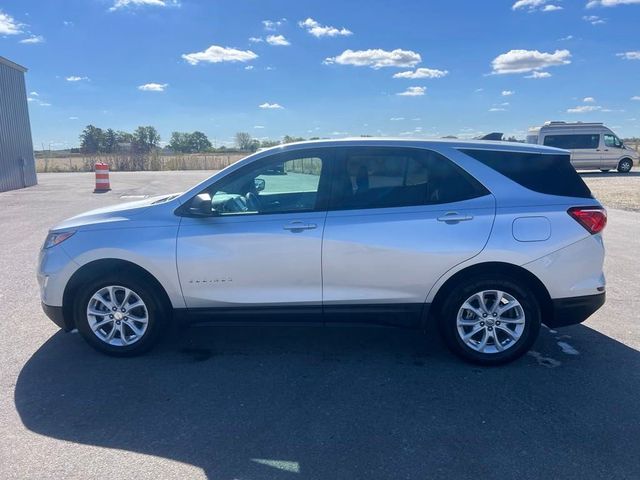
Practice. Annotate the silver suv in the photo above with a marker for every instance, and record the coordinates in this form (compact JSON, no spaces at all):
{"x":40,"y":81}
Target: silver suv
{"x":483,"y":240}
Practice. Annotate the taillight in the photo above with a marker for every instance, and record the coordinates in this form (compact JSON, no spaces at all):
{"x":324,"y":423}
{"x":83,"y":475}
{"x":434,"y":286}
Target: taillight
{"x":593,"y":219}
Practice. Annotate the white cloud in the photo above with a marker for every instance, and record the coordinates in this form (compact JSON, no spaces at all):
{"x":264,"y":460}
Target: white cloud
{"x":277,"y":40}
{"x":33,"y":98}
{"x":143,"y":3}
{"x":531,"y":4}
{"x":8,"y":25}
{"x":153,"y":87}
{"x":376,"y":58}
{"x":256,"y":39}
{"x":584,"y":109}
{"x":258,"y":126}
{"x":317,"y":30}
{"x":636,"y":98}
{"x":524,"y":61}
{"x":588,"y":100}
{"x":535,"y":5}
{"x":75,"y":78}
{"x":217,"y":54}
{"x":507,"y":93}
{"x":497,"y":109}
{"x":120,"y":4}
{"x":413,"y":92}
{"x":594,"y":19}
{"x":73,"y":118}
{"x":396,"y":119}
{"x":249,"y":67}
{"x":271,"y":25}
{"x":629,"y":55}
{"x":271,"y":106}
{"x":33,"y":39}
{"x":536,"y":74}
{"x":422,"y":73}
{"x":564,"y":39}
{"x":611,"y":3}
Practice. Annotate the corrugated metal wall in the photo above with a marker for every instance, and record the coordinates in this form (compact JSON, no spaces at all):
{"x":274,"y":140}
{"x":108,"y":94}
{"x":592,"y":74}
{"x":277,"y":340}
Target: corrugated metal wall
{"x":17,"y":163}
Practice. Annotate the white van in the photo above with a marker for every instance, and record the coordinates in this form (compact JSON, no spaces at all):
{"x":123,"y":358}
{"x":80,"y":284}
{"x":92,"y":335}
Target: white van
{"x":592,"y":145}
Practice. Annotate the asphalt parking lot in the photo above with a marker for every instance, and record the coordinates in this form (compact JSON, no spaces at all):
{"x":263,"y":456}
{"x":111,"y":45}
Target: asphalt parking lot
{"x":302,"y":402}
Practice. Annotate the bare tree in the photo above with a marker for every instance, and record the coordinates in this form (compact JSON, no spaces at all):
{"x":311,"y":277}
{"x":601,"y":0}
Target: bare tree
{"x":243,"y":141}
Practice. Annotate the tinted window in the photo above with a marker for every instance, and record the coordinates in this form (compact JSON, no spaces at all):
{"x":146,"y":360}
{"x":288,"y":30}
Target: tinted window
{"x":543,"y":173}
{"x":572,"y":142}
{"x":612,"y":141}
{"x":281,"y":183}
{"x":372,"y":177}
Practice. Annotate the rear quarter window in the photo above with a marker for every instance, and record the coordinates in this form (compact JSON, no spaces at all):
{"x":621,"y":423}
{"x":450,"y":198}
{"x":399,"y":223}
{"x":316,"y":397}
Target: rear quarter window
{"x":551,"y":174}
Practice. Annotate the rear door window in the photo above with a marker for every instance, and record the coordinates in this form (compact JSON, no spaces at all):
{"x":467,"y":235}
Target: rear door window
{"x":544,"y":173}
{"x":382,"y":177}
{"x":573,"y":141}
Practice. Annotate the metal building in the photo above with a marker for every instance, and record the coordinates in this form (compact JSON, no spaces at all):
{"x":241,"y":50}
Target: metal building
{"x":17,"y":163}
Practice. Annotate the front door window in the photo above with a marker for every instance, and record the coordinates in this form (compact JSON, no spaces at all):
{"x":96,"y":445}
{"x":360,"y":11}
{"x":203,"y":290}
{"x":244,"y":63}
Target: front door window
{"x":279,"y":184}
{"x":612,"y":141}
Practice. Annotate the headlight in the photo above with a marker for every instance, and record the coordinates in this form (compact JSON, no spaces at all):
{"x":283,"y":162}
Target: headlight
{"x":55,"y":238}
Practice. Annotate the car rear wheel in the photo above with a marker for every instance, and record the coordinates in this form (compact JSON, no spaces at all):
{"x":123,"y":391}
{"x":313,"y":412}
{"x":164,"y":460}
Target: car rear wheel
{"x":490,"y":321}
{"x":118,"y":316}
{"x":625,"y":165}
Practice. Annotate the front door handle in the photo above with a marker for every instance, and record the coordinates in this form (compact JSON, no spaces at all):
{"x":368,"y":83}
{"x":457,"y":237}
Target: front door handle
{"x":454,"y":217}
{"x":299,"y":226}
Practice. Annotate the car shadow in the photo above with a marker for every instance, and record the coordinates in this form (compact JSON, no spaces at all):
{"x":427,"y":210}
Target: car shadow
{"x":328,"y":403}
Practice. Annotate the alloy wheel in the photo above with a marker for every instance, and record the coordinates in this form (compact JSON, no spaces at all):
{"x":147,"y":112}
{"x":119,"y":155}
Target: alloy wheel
{"x":117,"y":315}
{"x":490,"y":321}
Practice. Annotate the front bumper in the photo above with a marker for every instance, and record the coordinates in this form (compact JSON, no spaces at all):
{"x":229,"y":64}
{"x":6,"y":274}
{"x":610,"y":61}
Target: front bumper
{"x":572,"y":310}
{"x":56,"y":315}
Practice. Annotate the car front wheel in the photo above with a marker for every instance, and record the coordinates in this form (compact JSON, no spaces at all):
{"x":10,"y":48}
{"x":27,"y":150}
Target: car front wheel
{"x":625,"y":165}
{"x":117,"y":316}
{"x":490,"y":321}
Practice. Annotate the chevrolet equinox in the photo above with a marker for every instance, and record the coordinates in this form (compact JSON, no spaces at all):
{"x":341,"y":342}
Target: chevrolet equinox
{"x":483,"y":240}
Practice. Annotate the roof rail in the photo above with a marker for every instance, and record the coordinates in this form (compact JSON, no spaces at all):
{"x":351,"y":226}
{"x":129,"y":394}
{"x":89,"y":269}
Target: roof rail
{"x":562,"y":123}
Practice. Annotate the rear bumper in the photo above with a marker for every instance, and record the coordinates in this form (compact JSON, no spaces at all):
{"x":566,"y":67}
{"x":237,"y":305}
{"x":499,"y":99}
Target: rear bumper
{"x":572,"y":310}
{"x":57,"y":316}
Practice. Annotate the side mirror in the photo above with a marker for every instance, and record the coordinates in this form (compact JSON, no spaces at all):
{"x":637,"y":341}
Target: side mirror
{"x":200,"y":206}
{"x":260,"y":183}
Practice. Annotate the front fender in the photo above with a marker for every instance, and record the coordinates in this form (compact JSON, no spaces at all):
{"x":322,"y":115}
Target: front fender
{"x":151,"y":248}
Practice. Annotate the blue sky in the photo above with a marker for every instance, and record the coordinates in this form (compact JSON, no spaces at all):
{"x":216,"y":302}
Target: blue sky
{"x":328,"y":69}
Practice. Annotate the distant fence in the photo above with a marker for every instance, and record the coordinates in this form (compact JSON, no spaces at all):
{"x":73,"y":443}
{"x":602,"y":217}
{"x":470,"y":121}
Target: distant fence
{"x":635,"y":144}
{"x":304,"y":165}
{"x":128,"y":163}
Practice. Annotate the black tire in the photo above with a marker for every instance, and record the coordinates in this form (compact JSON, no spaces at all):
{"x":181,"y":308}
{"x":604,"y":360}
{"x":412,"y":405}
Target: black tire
{"x":465,"y":289}
{"x":605,"y":170}
{"x":625,"y":165}
{"x":157,"y":315}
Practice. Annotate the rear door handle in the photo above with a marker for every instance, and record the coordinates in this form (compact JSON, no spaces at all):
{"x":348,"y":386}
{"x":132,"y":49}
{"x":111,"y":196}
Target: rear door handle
{"x":298,"y":226}
{"x":454,"y":217}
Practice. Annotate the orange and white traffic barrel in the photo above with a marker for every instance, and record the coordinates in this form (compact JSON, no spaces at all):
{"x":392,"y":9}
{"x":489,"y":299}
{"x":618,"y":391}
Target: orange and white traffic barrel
{"x":102,"y":178}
